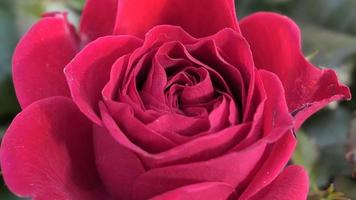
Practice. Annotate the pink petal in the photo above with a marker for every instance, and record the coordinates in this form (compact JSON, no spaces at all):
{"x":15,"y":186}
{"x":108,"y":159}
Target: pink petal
{"x":135,"y":130}
{"x":183,"y":125}
{"x":47,"y":153}
{"x":98,"y":19}
{"x":276,"y":109}
{"x":136,"y":17}
{"x":199,"y":93}
{"x":292,"y":183}
{"x":204,"y":147}
{"x":231,"y":168}
{"x":118,"y":167}
{"x":271,"y":119}
{"x":228,"y":53}
{"x":40,"y":57}
{"x":208,"y":190}
{"x":276,"y":46}
{"x":117,"y":74}
{"x":280,"y":153}
{"x":89,"y":71}
{"x":154,"y":85}
{"x":277,"y":125}
{"x":219,"y":116}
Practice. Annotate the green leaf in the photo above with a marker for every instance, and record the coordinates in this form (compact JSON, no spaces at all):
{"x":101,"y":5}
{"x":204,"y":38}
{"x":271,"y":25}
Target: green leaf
{"x":346,"y":185}
{"x":244,"y":7}
{"x":2,"y":131}
{"x":329,"y":194}
{"x":5,"y":194}
{"x":28,"y":12}
{"x":76,"y":4}
{"x":8,"y":36}
{"x":328,"y":129}
{"x":8,"y":102}
{"x":337,"y":15}
{"x":334,"y":48}
{"x":306,"y":154}
{"x":351,"y":146}
{"x":32,"y":8}
{"x":329,"y":126}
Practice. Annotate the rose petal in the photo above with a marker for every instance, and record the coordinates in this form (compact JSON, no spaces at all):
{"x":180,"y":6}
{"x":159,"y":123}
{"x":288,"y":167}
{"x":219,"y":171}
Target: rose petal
{"x":226,"y":52}
{"x":175,"y":56}
{"x":47,"y":153}
{"x":292,"y":183}
{"x":276,"y":46}
{"x":229,"y":54}
{"x":219,"y":116}
{"x":276,"y":110}
{"x":183,"y":125}
{"x":98,"y":19}
{"x":231,"y":168}
{"x":89,"y":71}
{"x":40,"y":57}
{"x":154,"y":84}
{"x":256,"y":107}
{"x":280,"y":153}
{"x":220,"y":14}
{"x":135,"y":130}
{"x":209,"y":190}
{"x":118,"y":167}
{"x":201,"y":148}
{"x":204,"y":147}
{"x":200,"y":92}
{"x":275,"y":130}
{"x":117,"y":73}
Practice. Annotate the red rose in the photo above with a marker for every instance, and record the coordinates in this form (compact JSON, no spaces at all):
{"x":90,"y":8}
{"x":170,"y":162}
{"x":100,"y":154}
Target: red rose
{"x":162,"y":99}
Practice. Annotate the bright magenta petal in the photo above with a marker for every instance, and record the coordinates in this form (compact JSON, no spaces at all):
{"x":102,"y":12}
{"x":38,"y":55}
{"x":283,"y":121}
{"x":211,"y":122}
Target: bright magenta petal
{"x":136,"y":17}
{"x":98,"y":19}
{"x":118,"y":167}
{"x":291,"y":184}
{"x":89,"y":71}
{"x":47,"y":153}
{"x":40,"y":57}
{"x":274,"y":162}
{"x":232,"y":168}
{"x":200,"y":191}
{"x":277,"y":125}
{"x":276,"y":46}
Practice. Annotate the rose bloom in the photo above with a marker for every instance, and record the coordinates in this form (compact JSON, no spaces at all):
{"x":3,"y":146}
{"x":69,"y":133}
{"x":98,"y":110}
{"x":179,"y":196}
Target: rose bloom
{"x":162,"y":100}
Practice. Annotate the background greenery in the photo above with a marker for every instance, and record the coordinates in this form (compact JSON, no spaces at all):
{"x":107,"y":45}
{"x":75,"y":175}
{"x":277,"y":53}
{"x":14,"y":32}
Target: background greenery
{"x":327,"y":142}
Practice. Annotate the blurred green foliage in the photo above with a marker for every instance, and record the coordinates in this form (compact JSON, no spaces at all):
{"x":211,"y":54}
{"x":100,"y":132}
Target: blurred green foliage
{"x":329,"y":40}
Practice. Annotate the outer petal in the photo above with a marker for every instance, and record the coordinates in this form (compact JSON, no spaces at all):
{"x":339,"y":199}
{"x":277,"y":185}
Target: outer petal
{"x":47,"y":153}
{"x":273,"y":164}
{"x":136,"y":17}
{"x":200,"y":191}
{"x":205,"y":147}
{"x":118,"y":167}
{"x":89,"y":71}
{"x":277,"y":124}
{"x":98,"y":19}
{"x":276,"y":46}
{"x":272,"y":114}
{"x":40,"y":57}
{"x":232,"y":168}
{"x":291,"y":184}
